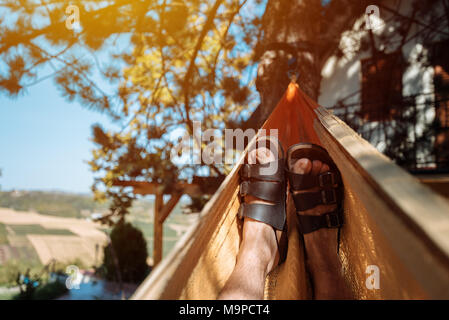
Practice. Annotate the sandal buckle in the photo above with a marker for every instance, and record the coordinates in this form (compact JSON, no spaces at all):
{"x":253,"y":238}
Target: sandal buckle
{"x":326,"y":179}
{"x":333,"y":221}
{"x":244,"y":188}
{"x":328,"y":196}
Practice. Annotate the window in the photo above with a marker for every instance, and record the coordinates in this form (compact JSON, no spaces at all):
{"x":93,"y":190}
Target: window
{"x":382,"y":86}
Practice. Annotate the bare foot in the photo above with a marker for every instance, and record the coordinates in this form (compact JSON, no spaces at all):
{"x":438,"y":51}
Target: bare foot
{"x":321,"y":245}
{"x":258,"y":237}
{"x":258,"y":253}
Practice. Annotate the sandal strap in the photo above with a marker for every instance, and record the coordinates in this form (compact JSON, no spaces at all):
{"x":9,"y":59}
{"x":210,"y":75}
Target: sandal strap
{"x":307,"y":181}
{"x":308,"y":223}
{"x":268,"y":214}
{"x":268,"y":191}
{"x":309,"y":200}
{"x":259,"y":171}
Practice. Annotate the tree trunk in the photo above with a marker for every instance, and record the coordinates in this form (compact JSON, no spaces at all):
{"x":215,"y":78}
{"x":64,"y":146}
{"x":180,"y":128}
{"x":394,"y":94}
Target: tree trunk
{"x":290,"y":29}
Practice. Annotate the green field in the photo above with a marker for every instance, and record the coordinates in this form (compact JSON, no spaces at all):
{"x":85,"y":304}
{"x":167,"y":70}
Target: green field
{"x":67,"y":205}
{"x":20,"y":253}
{"x":23,"y":250}
{"x":3,"y":233}
{"x":25,"y":229}
{"x":50,"y":203}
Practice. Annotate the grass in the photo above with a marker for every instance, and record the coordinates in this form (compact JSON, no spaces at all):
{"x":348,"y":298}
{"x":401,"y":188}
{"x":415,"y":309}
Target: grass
{"x":10,"y":270}
{"x":7,"y":296}
{"x":27,"y":254}
{"x":3,"y":233}
{"x":25,"y":229}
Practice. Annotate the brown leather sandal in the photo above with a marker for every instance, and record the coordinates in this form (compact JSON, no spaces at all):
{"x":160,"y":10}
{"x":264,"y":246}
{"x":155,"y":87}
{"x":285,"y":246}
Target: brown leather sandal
{"x":329,"y":184}
{"x":266,"y":182}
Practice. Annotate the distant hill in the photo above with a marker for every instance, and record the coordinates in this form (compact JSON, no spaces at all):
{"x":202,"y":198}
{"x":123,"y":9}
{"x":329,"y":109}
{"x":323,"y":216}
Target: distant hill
{"x":61,"y":203}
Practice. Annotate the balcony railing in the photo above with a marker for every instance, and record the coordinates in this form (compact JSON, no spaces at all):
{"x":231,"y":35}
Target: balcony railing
{"x":415,"y":134}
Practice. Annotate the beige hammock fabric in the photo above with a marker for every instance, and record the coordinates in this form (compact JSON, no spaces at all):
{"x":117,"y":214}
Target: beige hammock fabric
{"x":392,"y":222}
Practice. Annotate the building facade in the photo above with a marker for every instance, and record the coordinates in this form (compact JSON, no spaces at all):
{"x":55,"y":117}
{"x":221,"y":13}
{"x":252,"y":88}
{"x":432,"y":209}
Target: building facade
{"x":389,"y":81}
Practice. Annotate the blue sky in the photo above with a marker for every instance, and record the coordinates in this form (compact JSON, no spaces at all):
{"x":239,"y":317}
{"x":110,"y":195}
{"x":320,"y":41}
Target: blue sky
{"x":44,"y":141}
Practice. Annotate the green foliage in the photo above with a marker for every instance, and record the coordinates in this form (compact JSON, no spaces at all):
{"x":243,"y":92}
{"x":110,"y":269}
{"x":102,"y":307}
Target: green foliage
{"x":11,"y":268}
{"x":49,"y":291}
{"x":198,"y":203}
{"x":128,"y":252}
{"x":38,"y":286}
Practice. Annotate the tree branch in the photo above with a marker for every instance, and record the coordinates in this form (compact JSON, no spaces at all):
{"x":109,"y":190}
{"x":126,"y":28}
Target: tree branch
{"x":186,"y":85}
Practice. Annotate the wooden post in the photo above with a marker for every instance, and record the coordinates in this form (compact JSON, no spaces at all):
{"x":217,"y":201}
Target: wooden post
{"x":169,"y":206}
{"x":158,"y":229}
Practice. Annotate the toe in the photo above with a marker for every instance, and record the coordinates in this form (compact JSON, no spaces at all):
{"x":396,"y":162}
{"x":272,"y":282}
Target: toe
{"x":316,"y":167}
{"x":264,"y":155}
{"x":260,"y":155}
{"x":324,"y":168}
{"x":302,"y":166}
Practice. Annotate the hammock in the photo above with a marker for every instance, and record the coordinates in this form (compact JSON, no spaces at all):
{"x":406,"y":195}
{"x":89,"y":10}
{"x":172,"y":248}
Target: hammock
{"x":393,"y":222}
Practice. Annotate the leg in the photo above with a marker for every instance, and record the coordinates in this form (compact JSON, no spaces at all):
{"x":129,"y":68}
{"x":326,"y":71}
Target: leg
{"x":258,"y":252}
{"x":255,"y":259}
{"x":321,"y":245}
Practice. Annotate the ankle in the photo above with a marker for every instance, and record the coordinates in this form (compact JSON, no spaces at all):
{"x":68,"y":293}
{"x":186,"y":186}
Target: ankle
{"x":322,"y":249}
{"x":255,"y":258}
{"x":259,"y":245}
